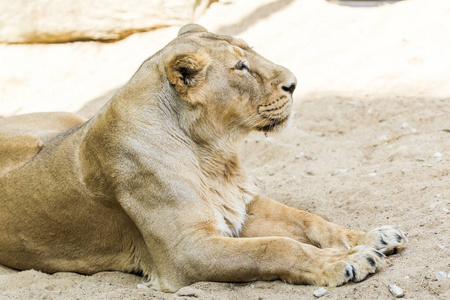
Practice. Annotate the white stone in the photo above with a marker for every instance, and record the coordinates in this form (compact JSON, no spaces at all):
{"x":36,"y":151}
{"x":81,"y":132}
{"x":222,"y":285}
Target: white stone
{"x":340,"y":172}
{"x":320,"y":292}
{"x":396,"y":291}
{"x":384,"y":138}
{"x":188,"y":291}
{"x":433,"y":206}
{"x":441,"y":275}
{"x":369,"y":175}
{"x":441,"y":247}
{"x":404,"y":125}
{"x":405,"y":171}
{"x":300,"y":155}
{"x":413,"y":130}
{"x":142,"y":286}
{"x":437,"y":154}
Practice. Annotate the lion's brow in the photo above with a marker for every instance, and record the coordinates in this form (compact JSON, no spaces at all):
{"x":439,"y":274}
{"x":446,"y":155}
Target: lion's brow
{"x":235,"y":42}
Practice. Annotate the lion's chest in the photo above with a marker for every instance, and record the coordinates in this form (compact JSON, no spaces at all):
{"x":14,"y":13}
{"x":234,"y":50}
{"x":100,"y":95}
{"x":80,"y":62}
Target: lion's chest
{"x":228,"y":202}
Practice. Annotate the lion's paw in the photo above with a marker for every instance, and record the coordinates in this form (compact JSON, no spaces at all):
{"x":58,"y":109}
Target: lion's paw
{"x":356,"y":265}
{"x":387,"y":239}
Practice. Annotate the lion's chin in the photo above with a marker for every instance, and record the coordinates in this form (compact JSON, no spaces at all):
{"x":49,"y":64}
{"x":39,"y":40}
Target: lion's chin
{"x":276,"y":125}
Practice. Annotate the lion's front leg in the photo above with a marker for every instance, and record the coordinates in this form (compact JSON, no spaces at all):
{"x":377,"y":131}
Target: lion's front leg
{"x":387,"y":239}
{"x":270,"y":218}
{"x":213,"y":258}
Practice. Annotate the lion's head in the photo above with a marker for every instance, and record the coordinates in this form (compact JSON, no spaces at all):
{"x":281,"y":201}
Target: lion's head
{"x":226,"y":88}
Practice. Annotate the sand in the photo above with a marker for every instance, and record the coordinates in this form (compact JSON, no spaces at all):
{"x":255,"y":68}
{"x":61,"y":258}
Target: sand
{"x":373,"y":99}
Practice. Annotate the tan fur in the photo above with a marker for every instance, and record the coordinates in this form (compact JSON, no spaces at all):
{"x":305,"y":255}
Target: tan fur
{"x":153,"y":184}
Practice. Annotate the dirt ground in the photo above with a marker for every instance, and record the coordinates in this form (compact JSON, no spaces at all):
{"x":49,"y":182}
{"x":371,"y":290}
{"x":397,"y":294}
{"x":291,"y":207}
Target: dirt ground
{"x":373,"y":101}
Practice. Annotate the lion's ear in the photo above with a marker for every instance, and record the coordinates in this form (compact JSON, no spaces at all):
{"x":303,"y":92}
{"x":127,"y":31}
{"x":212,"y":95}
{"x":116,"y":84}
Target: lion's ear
{"x":191,"y":28}
{"x":186,"y":71}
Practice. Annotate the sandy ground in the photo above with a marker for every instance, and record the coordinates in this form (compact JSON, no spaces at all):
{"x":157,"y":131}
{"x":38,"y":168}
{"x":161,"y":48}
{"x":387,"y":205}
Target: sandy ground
{"x":373,"y":99}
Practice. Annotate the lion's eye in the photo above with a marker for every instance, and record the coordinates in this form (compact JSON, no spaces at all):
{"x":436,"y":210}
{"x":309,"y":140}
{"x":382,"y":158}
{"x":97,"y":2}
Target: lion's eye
{"x":241,"y":66}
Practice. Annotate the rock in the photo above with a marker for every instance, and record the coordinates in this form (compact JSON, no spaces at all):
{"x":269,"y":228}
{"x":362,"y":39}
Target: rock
{"x":142,"y":286}
{"x":441,"y":275}
{"x":396,"y":291}
{"x":404,"y":125}
{"x":384,"y":138}
{"x":413,"y":130}
{"x":340,"y":172}
{"x":188,"y":291}
{"x":53,"y":21}
{"x":369,"y":175}
{"x":441,"y":247}
{"x":437,"y":154}
{"x":320,"y":292}
{"x":433,"y":206}
{"x":405,"y":171}
{"x":300,"y":155}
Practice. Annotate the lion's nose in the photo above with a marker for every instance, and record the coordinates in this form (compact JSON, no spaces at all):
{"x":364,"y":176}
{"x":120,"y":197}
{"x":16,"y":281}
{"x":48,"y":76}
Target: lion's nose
{"x":289,"y":87}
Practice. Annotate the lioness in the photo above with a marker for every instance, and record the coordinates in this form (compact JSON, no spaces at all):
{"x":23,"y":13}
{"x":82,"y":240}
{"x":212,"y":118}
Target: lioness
{"x":152,"y":183}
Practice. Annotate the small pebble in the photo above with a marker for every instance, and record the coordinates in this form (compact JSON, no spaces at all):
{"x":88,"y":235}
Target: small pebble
{"x":396,"y":291}
{"x":300,"y":155}
{"x":442,"y":248}
{"x":413,"y":130}
{"x":320,"y":292}
{"x":405,"y":171}
{"x":340,"y":172}
{"x":441,"y":275}
{"x":384,"y":138}
{"x":188,"y":291}
{"x":369,"y":175}
{"x":404,"y":125}
{"x":369,"y":111}
{"x":142,"y":286}
{"x":437,"y":154}
{"x":433,"y":206}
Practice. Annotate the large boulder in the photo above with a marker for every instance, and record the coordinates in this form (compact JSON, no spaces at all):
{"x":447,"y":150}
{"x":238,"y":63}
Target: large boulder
{"x":56,"y":21}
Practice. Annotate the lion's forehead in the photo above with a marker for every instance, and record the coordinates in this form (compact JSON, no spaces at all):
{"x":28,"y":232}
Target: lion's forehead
{"x":227,"y":39}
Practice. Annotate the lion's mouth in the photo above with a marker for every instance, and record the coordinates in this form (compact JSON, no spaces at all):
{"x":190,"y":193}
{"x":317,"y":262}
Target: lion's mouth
{"x":274,"y":124}
{"x":274,"y":115}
